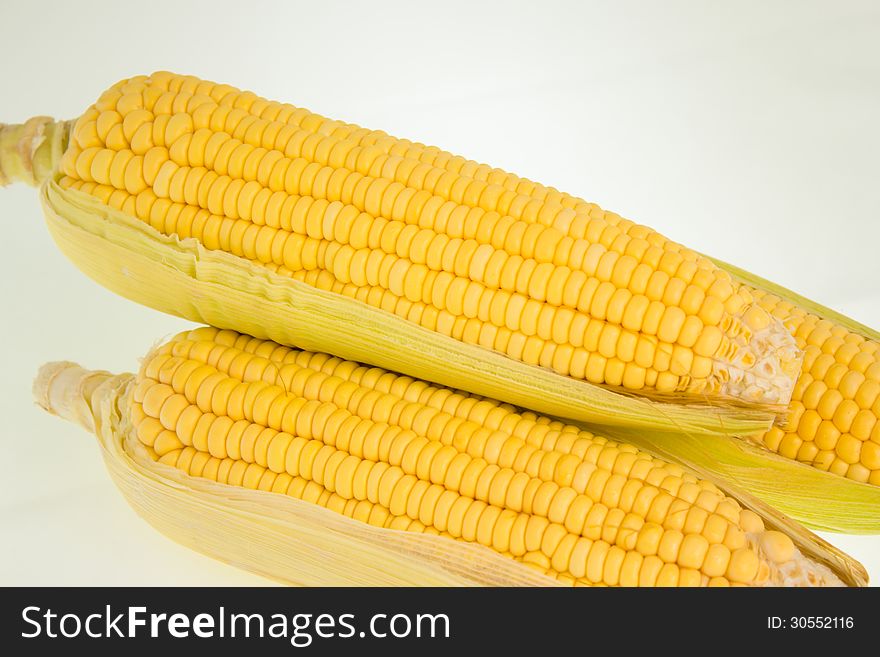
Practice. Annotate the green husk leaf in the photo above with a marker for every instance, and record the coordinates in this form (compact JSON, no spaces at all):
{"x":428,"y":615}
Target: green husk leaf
{"x":181,"y":277}
{"x":818,"y":499}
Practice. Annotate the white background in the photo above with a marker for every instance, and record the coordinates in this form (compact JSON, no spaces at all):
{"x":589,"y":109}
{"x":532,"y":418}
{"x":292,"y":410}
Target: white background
{"x":747,"y":130}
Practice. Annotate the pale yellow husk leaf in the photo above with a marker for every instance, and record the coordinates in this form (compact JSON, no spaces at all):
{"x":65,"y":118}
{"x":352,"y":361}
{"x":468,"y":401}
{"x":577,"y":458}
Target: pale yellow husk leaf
{"x":276,"y":536}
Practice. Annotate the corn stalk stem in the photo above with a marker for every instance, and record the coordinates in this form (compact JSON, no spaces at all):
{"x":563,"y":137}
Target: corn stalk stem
{"x":31,"y":151}
{"x":67,"y":389}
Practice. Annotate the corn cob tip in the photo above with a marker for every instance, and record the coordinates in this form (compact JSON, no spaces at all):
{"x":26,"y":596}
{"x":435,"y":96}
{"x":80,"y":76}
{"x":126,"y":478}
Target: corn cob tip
{"x":786,"y":564}
{"x":762,"y":362}
{"x":30,"y":151}
{"x":65,"y":389}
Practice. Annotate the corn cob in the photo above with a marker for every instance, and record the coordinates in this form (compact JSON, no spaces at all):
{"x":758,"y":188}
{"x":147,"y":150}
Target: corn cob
{"x":402,"y":454}
{"x":468,"y":252}
{"x":832,"y":419}
{"x":296,"y":185}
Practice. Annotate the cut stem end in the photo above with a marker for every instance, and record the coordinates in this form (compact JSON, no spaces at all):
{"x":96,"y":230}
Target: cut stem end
{"x":66,"y":389}
{"x":30,"y":151}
